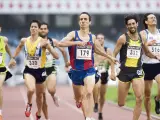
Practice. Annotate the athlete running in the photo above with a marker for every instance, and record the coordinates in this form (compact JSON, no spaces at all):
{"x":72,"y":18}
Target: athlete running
{"x":102,"y":66}
{"x":4,"y":73}
{"x":151,"y":66}
{"x":34,"y":72}
{"x":50,"y":66}
{"x":82,"y":45}
{"x":130,"y":46}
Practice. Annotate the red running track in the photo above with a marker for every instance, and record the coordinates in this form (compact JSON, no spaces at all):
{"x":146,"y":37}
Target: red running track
{"x":15,"y":102}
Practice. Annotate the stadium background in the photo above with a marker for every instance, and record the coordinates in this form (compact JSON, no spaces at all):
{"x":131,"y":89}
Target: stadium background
{"x":61,"y":15}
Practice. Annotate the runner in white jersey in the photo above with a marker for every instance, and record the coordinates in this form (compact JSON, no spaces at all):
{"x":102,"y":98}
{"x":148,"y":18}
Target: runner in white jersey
{"x":151,"y":66}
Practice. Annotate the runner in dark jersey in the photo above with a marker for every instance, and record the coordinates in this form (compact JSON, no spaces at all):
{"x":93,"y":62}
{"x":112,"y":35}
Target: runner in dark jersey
{"x":51,"y":68}
{"x":130,"y":46}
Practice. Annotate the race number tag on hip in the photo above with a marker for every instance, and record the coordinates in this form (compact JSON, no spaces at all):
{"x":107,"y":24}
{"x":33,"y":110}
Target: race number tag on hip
{"x":1,"y":57}
{"x":133,"y":52}
{"x":49,"y":56}
{"x":101,"y":69}
{"x":155,"y":48}
{"x":33,"y":62}
{"x":84,"y":52}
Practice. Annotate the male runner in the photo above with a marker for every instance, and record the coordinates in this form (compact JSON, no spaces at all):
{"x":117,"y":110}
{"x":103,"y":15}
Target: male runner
{"x":82,"y":45}
{"x":50,"y":67}
{"x":34,"y":72}
{"x":4,"y":73}
{"x":102,"y":66}
{"x":151,"y":66}
{"x":130,"y":46}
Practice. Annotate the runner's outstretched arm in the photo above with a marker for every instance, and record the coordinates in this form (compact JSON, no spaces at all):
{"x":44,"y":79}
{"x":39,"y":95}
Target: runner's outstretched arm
{"x":63,"y":51}
{"x":52,"y":51}
{"x":99,"y":50}
{"x":19,"y":47}
{"x":145,"y":46}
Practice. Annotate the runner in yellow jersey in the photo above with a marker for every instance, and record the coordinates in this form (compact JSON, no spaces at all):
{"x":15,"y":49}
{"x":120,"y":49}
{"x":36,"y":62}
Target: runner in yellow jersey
{"x":4,"y":73}
{"x":51,"y":68}
{"x":130,"y":46}
{"x":34,"y":72}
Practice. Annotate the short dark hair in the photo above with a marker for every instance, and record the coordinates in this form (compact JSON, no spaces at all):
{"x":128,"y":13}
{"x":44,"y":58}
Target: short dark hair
{"x":44,"y":23}
{"x":145,"y":18}
{"x":129,"y":17}
{"x":86,"y":14}
{"x":35,"y":21}
{"x":100,"y":34}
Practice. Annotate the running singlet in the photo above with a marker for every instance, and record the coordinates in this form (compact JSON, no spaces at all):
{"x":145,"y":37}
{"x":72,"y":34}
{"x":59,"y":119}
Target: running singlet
{"x":103,"y":65}
{"x":131,"y":52}
{"x":155,"y":49}
{"x":35,"y":55}
{"x":2,"y":52}
{"x":50,"y":60}
{"x":81,"y":57}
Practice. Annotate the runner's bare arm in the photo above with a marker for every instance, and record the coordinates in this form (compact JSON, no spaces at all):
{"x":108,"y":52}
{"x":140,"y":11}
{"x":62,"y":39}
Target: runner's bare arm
{"x":121,"y":41}
{"x":7,"y":47}
{"x":52,"y":51}
{"x":145,"y":46}
{"x":68,"y":41}
{"x":109,"y":52}
{"x":98,"y":49}
{"x":19,"y":47}
{"x":63,"y":51}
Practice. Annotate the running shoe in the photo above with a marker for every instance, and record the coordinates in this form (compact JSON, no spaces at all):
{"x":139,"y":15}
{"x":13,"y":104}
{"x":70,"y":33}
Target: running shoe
{"x":28,"y":110}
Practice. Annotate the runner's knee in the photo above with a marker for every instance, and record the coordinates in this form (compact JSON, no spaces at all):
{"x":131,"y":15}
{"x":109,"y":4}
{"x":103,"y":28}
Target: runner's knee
{"x":139,"y":98}
{"x":52,"y":91}
{"x":31,"y":90}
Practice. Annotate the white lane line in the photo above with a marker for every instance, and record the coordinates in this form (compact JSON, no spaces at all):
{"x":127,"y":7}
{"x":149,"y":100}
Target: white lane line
{"x":71,"y":106}
{"x":22,"y":91}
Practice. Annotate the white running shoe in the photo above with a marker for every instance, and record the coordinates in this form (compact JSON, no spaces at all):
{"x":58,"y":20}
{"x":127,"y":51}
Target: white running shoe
{"x":56,"y":100}
{"x":87,"y":118}
{"x":92,"y":118}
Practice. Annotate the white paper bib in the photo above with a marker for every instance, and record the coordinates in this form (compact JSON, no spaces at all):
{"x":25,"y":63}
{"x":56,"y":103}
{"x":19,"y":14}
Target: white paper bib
{"x":84,"y":52}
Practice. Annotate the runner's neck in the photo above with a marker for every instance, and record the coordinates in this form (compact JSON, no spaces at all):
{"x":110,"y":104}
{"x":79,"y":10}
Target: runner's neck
{"x":34,"y":37}
{"x":152,"y":29}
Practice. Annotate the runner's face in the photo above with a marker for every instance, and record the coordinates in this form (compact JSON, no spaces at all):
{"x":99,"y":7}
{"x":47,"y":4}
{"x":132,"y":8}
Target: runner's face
{"x":100,"y":38}
{"x":152,"y":20}
{"x":132,"y":26}
{"x":43,"y":31}
{"x":84,"y":21}
{"x":34,"y":29}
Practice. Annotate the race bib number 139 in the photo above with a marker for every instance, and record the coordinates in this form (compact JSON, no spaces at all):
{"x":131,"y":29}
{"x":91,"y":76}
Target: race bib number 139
{"x":84,"y":53}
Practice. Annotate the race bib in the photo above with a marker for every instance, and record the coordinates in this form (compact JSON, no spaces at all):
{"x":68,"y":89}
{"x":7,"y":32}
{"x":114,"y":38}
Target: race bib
{"x":134,"y":52}
{"x":49,"y":56}
{"x":1,"y":58}
{"x":155,"y":48}
{"x":84,"y":52}
{"x":101,"y":69}
{"x":33,"y":62}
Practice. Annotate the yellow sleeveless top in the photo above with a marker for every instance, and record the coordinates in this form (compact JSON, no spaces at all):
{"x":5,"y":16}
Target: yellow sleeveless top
{"x":2,"y":52}
{"x":34,"y":50}
{"x":133,"y":53}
